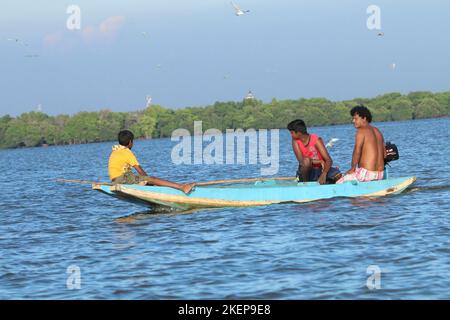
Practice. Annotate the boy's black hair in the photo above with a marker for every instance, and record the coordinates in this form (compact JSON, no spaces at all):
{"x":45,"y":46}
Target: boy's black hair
{"x":362,"y":111}
{"x":297,"y":126}
{"x":125,"y":137}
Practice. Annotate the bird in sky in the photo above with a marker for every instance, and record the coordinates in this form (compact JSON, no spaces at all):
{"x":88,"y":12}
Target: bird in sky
{"x":239,"y":11}
{"x":393,"y":65}
{"x":380,"y":34}
{"x":331,"y":142}
{"x":18,"y":41}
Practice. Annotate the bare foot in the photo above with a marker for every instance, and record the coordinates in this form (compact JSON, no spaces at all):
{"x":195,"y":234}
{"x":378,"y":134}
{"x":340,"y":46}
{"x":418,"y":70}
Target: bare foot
{"x":142,"y":183}
{"x":188,"y":187}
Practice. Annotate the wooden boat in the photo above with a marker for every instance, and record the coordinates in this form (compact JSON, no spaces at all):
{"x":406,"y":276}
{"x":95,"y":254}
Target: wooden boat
{"x":259,"y":193}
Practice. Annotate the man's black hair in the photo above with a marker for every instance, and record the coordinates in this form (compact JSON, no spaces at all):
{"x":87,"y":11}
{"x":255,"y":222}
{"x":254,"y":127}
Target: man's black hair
{"x":297,"y":126}
{"x":125,"y":137}
{"x":362,"y":111}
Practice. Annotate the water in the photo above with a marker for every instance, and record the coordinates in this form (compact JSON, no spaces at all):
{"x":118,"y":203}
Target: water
{"x":318,"y":250}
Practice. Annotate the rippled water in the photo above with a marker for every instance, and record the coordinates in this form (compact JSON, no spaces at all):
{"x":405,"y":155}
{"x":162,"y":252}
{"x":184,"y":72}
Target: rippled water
{"x":317,"y":250}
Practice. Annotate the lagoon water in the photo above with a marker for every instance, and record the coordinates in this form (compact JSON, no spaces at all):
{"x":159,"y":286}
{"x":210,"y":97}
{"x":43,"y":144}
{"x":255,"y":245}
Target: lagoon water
{"x":319,"y":250}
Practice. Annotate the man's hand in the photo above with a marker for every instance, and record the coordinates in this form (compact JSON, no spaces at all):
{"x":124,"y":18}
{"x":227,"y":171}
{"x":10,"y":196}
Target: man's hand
{"x":352,"y":170}
{"x":323,"y":179}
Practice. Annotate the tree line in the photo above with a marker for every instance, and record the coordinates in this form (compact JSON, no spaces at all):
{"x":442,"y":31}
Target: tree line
{"x":37,"y":128}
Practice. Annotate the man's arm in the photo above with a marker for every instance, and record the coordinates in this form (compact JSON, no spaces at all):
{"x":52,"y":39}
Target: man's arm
{"x":357,"y":150}
{"x":140,"y":170}
{"x":328,"y":162}
{"x":297,"y":152}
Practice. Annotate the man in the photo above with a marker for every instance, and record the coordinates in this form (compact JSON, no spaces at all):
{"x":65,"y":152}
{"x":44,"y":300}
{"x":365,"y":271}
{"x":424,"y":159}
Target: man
{"x":312,"y":155}
{"x":122,"y":160}
{"x":369,"y":150}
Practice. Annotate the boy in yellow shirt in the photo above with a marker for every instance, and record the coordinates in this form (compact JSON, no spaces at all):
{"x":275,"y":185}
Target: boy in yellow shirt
{"x":122,"y":160}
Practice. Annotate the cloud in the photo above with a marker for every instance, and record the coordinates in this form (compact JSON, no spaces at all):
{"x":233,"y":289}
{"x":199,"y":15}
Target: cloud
{"x":111,"y":25}
{"x":105,"y":32}
{"x":52,"y":39}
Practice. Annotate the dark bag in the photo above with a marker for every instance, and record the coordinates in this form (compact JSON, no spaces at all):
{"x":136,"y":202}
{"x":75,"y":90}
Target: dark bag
{"x":391,"y":152}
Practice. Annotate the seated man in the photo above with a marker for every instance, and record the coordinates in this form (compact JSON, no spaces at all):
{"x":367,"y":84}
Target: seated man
{"x":369,"y":151}
{"x":312,"y":155}
{"x":122,"y":160}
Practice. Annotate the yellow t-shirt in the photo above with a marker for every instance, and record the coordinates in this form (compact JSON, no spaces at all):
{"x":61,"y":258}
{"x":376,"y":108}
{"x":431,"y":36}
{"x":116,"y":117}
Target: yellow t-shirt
{"x":121,"y":160}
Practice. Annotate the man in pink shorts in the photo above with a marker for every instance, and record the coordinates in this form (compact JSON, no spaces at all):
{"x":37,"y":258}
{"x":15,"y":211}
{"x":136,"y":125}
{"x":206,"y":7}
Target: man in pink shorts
{"x":369,"y":151}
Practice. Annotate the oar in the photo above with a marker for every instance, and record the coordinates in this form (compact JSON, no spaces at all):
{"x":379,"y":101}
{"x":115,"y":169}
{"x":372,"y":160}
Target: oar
{"x":208,"y":183}
{"x":85,"y":182}
{"x":242,"y":180}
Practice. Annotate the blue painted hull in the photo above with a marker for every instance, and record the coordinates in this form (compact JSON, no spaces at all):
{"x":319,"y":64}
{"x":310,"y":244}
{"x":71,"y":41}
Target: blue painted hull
{"x":255,"y":194}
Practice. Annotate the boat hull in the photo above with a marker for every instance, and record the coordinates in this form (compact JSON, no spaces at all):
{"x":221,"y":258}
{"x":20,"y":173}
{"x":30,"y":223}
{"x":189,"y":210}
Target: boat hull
{"x":257,"y":194}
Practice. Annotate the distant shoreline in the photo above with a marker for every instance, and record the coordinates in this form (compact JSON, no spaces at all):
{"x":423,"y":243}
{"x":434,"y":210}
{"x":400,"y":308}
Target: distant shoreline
{"x":34,"y":129}
{"x":167,"y":137}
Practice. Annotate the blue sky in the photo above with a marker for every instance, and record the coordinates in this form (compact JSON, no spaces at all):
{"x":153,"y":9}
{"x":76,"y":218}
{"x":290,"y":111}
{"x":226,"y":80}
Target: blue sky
{"x":196,"y":52}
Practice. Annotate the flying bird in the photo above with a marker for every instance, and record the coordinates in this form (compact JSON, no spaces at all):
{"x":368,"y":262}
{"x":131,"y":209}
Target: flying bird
{"x":392,"y":65}
{"x":18,"y":41}
{"x":331,"y":142}
{"x":380,"y":34}
{"x":149,"y":101}
{"x":239,"y":11}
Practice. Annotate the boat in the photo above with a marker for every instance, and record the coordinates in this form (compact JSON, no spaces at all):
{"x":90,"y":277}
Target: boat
{"x":259,"y":193}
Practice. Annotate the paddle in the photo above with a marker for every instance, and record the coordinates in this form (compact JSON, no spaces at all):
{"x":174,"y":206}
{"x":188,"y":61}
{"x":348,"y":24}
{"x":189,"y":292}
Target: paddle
{"x":84,"y":182}
{"x":208,"y":183}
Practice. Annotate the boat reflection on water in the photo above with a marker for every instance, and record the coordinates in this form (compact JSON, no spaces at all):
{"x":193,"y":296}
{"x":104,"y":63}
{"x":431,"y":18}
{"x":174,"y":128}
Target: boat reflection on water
{"x":156,"y":211}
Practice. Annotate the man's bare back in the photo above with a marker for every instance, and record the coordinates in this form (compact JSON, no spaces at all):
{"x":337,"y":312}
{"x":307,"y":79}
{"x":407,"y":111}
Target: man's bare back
{"x":381,"y":149}
{"x":370,"y":149}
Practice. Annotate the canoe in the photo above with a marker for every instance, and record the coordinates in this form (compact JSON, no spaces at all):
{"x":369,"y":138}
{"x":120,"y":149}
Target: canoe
{"x":260,"y":193}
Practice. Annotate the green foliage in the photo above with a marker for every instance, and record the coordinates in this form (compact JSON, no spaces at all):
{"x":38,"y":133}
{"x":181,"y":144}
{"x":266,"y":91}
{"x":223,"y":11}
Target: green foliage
{"x":31,"y":129}
{"x":401,"y":109}
{"x":428,"y":108}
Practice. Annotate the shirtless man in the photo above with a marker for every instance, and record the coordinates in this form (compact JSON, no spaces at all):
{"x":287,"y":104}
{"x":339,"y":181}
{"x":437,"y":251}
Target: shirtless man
{"x":369,"y":152}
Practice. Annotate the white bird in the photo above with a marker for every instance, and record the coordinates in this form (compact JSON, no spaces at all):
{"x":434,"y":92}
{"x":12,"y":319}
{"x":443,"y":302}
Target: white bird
{"x":331,"y":142}
{"x":144,"y":33}
{"x":18,"y":41}
{"x":392,"y":65}
{"x":239,"y":11}
{"x":149,"y":101}
{"x":39,"y":108}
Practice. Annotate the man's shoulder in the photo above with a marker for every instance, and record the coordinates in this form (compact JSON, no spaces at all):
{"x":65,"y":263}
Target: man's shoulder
{"x":376,"y":130}
{"x":124,"y":151}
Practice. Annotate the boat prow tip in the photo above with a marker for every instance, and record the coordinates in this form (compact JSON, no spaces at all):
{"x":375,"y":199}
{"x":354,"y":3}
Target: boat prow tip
{"x":116,"y":187}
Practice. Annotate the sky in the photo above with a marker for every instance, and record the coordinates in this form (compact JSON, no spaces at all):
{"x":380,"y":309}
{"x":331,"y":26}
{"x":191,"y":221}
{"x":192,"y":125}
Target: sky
{"x":196,"y":52}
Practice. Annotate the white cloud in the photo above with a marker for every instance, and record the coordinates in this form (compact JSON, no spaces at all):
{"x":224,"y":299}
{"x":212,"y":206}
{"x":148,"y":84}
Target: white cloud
{"x":106,"y":31}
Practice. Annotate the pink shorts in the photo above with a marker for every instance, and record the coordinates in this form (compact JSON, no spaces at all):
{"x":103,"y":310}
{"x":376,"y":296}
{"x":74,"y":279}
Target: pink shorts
{"x":362,"y":175}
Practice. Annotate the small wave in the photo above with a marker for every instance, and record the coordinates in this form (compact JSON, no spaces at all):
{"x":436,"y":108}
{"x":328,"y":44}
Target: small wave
{"x":427,"y":188}
{"x":160,"y":211}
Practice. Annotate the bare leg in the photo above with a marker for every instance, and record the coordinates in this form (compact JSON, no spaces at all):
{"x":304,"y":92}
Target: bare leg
{"x":306,"y":169}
